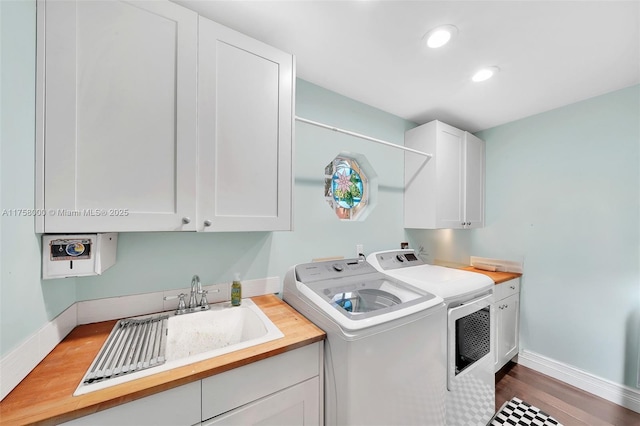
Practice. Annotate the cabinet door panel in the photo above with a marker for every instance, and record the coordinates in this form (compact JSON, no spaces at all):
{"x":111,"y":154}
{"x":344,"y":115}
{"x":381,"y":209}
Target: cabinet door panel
{"x":246,"y":159}
{"x":474,"y":188}
{"x":449,"y":176}
{"x":120,"y":122}
{"x":245,"y":132}
{"x":509,"y":328}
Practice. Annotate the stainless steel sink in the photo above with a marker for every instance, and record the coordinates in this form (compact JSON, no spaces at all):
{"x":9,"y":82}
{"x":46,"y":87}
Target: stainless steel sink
{"x":141,"y":346}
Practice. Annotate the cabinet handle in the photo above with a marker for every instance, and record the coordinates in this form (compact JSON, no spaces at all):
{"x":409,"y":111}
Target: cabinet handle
{"x":186,"y":220}
{"x":207,"y":222}
{"x":512,"y":287}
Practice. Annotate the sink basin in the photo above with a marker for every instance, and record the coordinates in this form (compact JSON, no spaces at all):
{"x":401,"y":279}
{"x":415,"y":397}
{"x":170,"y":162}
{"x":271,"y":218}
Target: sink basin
{"x":196,"y":337}
{"x":221,"y":329}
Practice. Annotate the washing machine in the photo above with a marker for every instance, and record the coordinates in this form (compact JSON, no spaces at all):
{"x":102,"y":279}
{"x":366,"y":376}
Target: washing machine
{"x":470,"y":396}
{"x":384,"y":352}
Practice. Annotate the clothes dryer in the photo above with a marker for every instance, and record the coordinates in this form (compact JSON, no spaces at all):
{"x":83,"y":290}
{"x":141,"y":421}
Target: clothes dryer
{"x":470,"y":397}
{"x":385,"y":351}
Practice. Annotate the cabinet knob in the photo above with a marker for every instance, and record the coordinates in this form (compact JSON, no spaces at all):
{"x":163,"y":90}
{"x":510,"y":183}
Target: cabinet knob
{"x":207,"y":222}
{"x":463,"y":223}
{"x":512,"y":287}
{"x":186,"y":220}
{"x":468,"y":223}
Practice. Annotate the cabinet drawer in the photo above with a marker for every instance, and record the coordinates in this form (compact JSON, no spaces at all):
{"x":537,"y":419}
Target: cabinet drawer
{"x":506,"y":289}
{"x":234,"y":388}
{"x":174,"y":407}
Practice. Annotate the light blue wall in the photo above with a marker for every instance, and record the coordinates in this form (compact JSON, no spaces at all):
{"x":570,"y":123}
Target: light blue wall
{"x":563,"y":194}
{"x":563,"y":189}
{"x":26,"y":303}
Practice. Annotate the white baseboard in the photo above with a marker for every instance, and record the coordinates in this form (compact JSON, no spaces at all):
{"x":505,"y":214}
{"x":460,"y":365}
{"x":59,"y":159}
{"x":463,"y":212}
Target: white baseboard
{"x":18,"y":363}
{"x":614,"y":392}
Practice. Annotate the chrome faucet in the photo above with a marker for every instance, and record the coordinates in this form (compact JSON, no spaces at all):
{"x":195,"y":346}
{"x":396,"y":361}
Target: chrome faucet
{"x":194,"y":304}
{"x":196,"y":288}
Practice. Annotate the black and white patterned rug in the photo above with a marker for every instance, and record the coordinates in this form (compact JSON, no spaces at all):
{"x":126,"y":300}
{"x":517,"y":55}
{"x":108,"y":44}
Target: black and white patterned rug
{"x":518,"y":413}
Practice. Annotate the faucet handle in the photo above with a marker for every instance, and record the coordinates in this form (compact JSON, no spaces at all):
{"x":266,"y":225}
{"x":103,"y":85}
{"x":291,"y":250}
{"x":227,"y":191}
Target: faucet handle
{"x":204,"y":303}
{"x":182,"y":306}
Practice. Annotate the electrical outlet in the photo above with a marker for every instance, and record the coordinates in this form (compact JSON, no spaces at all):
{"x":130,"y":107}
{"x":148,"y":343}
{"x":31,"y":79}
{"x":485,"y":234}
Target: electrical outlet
{"x":359,"y":249}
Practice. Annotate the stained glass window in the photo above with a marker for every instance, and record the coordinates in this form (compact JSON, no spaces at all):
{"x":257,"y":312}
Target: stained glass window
{"x":350,"y":186}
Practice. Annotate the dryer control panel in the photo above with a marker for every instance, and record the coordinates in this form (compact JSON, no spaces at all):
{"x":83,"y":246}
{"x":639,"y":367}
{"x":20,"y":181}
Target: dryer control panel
{"x":396,"y":259}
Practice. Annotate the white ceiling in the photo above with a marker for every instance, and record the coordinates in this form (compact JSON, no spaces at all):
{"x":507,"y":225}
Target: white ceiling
{"x":551,"y":53}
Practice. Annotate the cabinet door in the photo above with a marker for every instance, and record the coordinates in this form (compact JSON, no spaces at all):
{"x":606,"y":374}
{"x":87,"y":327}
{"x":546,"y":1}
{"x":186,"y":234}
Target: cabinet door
{"x":245,"y":111}
{"x":297,"y":405}
{"x":119,"y":134}
{"x":450,"y":177}
{"x":474,"y":181}
{"x":507,"y":329}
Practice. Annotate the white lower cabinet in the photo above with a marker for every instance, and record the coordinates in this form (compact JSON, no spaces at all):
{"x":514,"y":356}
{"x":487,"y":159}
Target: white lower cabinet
{"x":507,"y":321}
{"x":178,"y":406}
{"x":285,"y":389}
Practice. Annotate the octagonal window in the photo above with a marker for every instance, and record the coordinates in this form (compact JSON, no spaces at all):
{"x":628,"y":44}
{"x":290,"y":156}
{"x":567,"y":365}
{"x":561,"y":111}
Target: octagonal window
{"x":350,"y":186}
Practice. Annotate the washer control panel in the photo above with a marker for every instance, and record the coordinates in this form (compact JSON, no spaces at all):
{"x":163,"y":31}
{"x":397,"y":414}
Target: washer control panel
{"x":397,"y":259}
{"x":317,"y":271}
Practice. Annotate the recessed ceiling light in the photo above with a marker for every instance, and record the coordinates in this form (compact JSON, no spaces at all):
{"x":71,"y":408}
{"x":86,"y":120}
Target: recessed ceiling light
{"x":441,"y":35}
{"x":485,"y":74}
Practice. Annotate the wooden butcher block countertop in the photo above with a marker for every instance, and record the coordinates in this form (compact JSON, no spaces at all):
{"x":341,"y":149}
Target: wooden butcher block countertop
{"x":45,"y":396}
{"x":497,"y":277}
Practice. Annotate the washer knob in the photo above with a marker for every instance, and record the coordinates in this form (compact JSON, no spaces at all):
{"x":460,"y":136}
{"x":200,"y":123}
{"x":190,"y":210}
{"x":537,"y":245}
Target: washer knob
{"x":400,"y":257}
{"x":338,"y":267}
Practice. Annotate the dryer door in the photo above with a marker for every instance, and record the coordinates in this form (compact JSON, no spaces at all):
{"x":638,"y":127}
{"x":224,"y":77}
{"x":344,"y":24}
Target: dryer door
{"x":469,"y":338}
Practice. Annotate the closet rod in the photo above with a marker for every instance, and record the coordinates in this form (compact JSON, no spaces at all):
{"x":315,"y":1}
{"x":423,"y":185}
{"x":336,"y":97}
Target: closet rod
{"x":358,"y":135}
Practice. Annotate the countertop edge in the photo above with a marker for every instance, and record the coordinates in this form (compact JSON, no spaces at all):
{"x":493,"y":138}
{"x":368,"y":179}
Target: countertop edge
{"x":497,"y":277}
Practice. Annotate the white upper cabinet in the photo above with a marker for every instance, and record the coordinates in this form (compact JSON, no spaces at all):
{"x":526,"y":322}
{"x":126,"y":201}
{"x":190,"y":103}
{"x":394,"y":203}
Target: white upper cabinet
{"x":117,"y":118}
{"x":448,"y":190}
{"x":146,"y":123}
{"x":245,"y":133}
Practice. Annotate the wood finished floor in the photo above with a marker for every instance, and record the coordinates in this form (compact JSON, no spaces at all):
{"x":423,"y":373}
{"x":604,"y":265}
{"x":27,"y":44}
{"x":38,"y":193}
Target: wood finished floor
{"x":567,"y":404}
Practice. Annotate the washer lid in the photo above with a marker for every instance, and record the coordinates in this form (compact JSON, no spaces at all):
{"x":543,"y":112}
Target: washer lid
{"x":448,"y":283}
{"x":356,"y":296}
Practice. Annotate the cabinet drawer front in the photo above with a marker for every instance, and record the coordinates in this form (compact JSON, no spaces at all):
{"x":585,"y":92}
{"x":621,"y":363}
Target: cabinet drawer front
{"x":299,"y":404}
{"x":506,"y":289}
{"x":178,"y":406}
{"x":234,"y":388}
